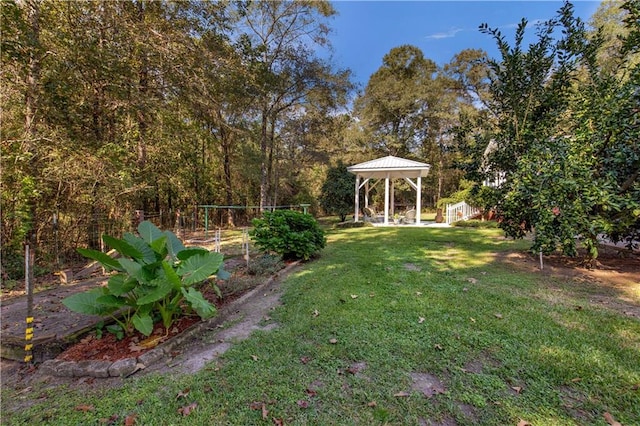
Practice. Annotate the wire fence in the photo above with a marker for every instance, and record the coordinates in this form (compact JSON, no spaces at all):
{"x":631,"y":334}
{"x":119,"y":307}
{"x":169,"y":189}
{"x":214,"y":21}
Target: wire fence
{"x":59,"y":238}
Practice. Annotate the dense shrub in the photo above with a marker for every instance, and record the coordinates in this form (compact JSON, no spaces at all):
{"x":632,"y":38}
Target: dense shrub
{"x":351,"y":224}
{"x":291,"y":234}
{"x":475,"y":224}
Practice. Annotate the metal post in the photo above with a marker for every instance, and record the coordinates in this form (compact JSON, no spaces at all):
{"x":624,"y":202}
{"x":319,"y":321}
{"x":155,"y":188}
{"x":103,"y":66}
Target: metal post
{"x":28,"y":333}
{"x":206,"y":221}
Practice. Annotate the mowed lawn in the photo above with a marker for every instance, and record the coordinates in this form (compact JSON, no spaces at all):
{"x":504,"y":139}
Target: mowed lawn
{"x":404,"y":326}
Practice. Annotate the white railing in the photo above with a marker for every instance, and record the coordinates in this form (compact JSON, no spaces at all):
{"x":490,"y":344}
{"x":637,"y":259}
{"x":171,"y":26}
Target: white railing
{"x":460,"y":211}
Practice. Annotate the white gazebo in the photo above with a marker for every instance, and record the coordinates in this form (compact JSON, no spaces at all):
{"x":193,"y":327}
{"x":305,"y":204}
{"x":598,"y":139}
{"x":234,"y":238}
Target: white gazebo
{"x":388,"y":168}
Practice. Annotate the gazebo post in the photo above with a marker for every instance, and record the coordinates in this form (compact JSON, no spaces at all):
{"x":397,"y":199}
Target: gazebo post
{"x":357,"y":212}
{"x":393,"y":198}
{"x":366,"y":193}
{"x":386,"y":199}
{"x":418,"y":200}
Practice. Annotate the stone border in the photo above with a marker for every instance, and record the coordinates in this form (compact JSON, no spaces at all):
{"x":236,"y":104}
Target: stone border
{"x":128,"y":366}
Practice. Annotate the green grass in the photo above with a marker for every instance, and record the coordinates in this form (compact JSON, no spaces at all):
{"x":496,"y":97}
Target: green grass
{"x":504,"y":344}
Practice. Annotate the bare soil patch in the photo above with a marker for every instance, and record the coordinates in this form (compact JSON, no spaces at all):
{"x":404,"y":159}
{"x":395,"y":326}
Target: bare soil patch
{"x":613,"y":284}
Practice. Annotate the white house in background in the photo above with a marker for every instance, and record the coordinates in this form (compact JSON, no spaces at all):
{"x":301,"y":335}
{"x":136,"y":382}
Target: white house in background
{"x":499,"y":177}
{"x":388,"y":169}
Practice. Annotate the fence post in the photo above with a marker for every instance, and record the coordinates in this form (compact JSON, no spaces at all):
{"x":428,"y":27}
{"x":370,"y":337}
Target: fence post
{"x":245,"y":244}
{"x":28,"y":283}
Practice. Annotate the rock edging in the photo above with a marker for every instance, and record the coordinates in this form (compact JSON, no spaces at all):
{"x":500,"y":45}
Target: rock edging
{"x":128,"y":366}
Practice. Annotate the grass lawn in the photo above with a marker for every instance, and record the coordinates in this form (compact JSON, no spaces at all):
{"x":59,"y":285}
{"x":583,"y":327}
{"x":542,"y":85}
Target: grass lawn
{"x":402,"y":326}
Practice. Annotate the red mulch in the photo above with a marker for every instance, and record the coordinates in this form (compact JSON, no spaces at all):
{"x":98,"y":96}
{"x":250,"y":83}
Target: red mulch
{"x":108,"y":348}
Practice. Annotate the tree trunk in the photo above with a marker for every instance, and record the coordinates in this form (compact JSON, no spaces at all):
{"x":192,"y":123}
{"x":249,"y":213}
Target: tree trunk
{"x":272,"y":175}
{"x":226,"y":163}
{"x":143,"y":125}
{"x":31,"y":131}
{"x":264,"y":177}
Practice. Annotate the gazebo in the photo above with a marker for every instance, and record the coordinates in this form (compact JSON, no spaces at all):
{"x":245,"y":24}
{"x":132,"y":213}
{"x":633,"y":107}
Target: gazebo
{"x":388,"y":168}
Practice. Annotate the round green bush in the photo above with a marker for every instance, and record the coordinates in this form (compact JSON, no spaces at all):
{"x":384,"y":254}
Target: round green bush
{"x":291,"y":234}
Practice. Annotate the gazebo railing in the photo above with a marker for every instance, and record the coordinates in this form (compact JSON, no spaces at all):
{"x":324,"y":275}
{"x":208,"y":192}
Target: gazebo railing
{"x":460,"y":211}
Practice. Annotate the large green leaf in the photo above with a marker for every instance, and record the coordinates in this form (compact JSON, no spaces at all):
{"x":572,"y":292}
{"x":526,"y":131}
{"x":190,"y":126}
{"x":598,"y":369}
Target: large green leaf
{"x":143,"y":323}
{"x":149,"y":232}
{"x":174,"y":245}
{"x":172,"y":276}
{"x":87,"y":303}
{"x":132,"y":268}
{"x":147,"y":254}
{"x":191,"y":251}
{"x":105,"y":260}
{"x":152,"y":294}
{"x":160,"y":247}
{"x":199,"y":267}
{"x":112,"y":301}
{"x":199,"y":303}
{"x":122,"y":247}
{"x":119,"y":285}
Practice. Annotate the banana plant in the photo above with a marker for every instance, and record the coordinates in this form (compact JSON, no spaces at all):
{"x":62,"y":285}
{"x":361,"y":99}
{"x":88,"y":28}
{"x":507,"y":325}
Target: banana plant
{"x":154,"y":276}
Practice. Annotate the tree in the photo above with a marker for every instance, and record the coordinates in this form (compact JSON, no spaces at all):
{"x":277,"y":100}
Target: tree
{"x":394,"y":107}
{"x":338,"y":191}
{"x":568,"y":151}
{"x":278,"y":40}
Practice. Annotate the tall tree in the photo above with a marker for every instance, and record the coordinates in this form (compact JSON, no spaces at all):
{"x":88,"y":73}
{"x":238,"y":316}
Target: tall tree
{"x":568,"y":152}
{"x":279,"y":39}
{"x":394,"y":107}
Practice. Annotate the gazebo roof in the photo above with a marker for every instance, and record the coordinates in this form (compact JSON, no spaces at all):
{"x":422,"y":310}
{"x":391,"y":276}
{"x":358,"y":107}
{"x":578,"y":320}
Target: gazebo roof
{"x":394,"y":166}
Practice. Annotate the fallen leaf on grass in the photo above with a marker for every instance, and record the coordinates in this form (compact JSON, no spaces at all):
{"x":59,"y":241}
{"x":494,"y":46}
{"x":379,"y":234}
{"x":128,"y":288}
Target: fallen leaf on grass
{"x":523,"y":423}
{"x":277,"y":422}
{"x":354,"y":296}
{"x":420,"y":320}
{"x":401,"y":394}
{"x":465,"y":289}
{"x":84,"y":408}
{"x":576,"y":380}
{"x":472,"y":280}
{"x":372,"y":404}
{"x":418,"y":293}
{"x":311,"y":392}
{"x":609,"y":419}
{"x":438,"y":346}
{"x":183,"y":393}
{"x":333,"y":341}
{"x":254,"y":357}
{"x":302,"y":403}
{"x":499,"y":316}
{"x":130,"y":420}
{"x":187,"y":409}
{"x":472,"y":319}
{"x":110,"y":421}
{"x":517,"y":389}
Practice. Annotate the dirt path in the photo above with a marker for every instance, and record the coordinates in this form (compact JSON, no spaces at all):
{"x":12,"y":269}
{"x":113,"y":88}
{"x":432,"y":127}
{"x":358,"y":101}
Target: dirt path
{"x":212,"y":338}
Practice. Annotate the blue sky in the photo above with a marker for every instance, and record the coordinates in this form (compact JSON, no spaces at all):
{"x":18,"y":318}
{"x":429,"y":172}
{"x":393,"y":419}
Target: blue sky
{"x":364,"y":31}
